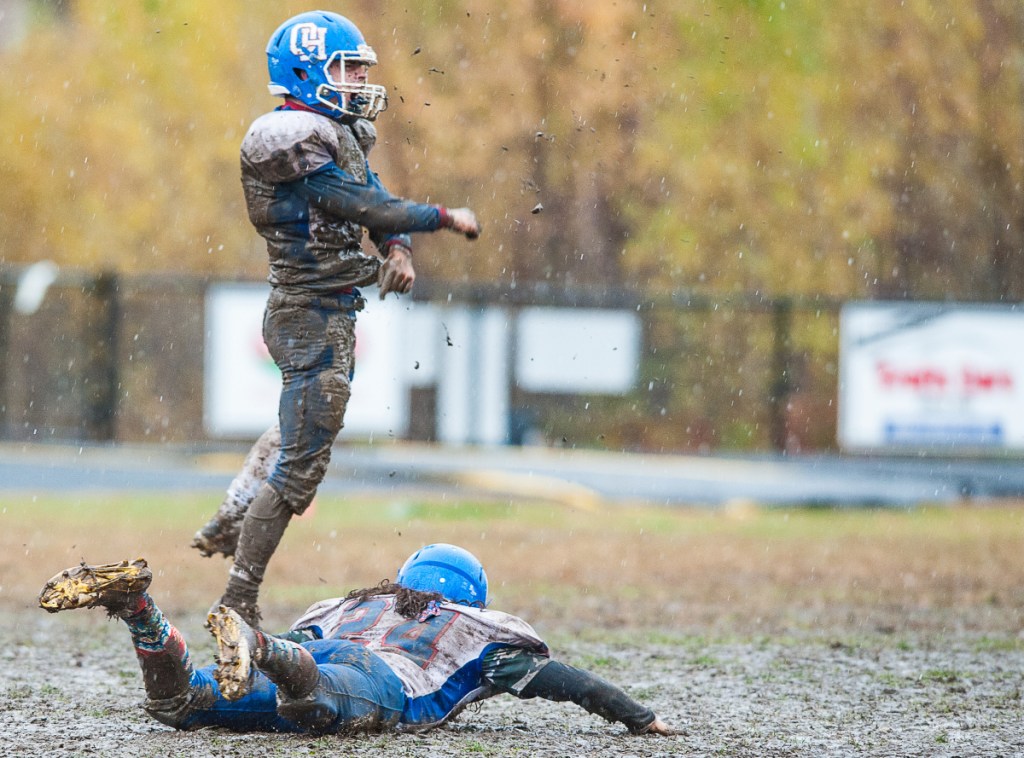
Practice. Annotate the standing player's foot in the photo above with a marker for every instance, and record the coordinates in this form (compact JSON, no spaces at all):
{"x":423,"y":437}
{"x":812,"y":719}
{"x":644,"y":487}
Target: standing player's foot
{"x":236,"y":644}
{"x":217,"y":537}
{"x":113,"y":586}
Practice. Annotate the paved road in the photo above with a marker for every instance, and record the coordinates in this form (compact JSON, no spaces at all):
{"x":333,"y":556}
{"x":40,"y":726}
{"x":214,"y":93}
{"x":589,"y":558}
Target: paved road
{"x":581,"y":477}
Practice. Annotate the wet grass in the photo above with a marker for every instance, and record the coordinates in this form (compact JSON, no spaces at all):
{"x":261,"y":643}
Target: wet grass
{"x":664,"y":573}
{"x":183,"y":510}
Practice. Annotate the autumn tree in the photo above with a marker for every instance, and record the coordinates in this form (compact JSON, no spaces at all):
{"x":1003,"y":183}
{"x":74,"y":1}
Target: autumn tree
{"x":734,"y":154}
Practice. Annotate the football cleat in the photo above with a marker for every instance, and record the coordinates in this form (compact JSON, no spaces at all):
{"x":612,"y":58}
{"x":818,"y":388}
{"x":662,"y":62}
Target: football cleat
{"x":112,"y":586}
{"x":235,"y":646}
{"x":217,"y":537}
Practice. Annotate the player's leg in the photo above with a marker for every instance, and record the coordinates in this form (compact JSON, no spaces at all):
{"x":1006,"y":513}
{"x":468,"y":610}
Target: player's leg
{"x":220,"y":534}
{"x":357,"y":689}
{"x":314,"y":397}
{"x":324,"y":685}
{"x":177,"y":694}
{"x":314,"y":348}
{"x":241,"y":650}
{"x":262,"y":529}
{"x":120,"y":589}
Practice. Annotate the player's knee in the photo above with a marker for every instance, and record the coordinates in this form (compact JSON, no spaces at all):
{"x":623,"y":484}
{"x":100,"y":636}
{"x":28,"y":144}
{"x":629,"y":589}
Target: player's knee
{"x":300,"y":487}
{"x":336,"y":392}
{"x":269,"y":503}
{"x":177,"y":712}
{"x":310,"y":712}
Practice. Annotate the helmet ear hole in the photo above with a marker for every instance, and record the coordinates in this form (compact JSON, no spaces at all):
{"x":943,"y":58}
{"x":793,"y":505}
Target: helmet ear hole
{"x":300,"y":74}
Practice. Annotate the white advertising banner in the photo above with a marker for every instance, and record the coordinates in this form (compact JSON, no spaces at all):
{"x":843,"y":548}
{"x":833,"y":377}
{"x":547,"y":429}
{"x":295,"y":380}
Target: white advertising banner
{"x":921,"y":376}
{"x":242,"y":384}
{"x":465,"y":353}
{"x":578,"y":350}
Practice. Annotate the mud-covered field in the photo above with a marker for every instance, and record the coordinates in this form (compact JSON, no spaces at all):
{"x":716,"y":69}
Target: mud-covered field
{"x":752,"y":632}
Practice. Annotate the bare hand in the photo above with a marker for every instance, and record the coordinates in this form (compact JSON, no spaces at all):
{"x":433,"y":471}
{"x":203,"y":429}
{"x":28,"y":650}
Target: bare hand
{"x":464,"y":221}
{"x":396,"y":273}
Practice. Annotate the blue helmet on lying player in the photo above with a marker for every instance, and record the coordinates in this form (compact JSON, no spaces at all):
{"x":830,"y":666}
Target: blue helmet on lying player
{"x":307,"y":57}
{"x":448,"y":569}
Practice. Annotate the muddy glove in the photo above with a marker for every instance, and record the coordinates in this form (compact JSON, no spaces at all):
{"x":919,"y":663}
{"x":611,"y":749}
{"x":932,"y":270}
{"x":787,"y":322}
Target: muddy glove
{"x":660,"y":728}
{"x":396,"y":273}
{"x":461,"y":220}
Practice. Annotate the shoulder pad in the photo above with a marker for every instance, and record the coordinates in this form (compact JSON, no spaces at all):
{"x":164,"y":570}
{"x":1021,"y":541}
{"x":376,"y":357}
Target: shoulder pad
{"x":366,"y":134}
{"x":283,"y":146}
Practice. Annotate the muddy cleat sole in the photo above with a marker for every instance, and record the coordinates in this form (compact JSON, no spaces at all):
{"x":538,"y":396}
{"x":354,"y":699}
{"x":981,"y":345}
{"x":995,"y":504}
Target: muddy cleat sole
{"x":112,"y":586}
{"x":234,"y":652}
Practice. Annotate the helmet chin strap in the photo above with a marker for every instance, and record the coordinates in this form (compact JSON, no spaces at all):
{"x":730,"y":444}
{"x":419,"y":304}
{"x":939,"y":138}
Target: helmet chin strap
{"x":294,"y":104}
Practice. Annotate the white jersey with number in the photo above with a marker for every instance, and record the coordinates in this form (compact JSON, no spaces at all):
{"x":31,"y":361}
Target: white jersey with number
{"x":436,"y":656}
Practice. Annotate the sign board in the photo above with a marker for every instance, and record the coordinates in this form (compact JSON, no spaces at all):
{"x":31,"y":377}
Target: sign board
{"x":242,"y":385}
{"x":927,"y":376}
{"x":577,"y":350}
{"x":465,"y":353}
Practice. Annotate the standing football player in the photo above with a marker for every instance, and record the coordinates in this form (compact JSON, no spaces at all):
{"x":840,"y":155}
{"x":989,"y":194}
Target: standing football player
{"x":310,"y":193}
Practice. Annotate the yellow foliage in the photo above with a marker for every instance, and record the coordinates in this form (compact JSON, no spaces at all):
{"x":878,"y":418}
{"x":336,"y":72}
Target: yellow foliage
{"x":737,"y":145}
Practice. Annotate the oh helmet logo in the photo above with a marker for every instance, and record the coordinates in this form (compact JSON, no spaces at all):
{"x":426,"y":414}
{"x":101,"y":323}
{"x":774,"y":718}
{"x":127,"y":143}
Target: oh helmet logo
{"x":309,"y":41}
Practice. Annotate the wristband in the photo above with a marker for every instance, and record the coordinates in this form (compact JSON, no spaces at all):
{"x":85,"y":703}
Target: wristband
{"x":444,"y":218}
{"x":398,"y":241}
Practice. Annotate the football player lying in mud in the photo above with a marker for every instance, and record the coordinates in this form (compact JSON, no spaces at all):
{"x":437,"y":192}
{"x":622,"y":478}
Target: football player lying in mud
{"x":404,"y":655}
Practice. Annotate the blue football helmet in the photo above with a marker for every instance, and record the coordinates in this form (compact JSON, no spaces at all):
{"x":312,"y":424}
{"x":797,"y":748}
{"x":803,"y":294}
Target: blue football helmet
{"x":451,"y":570}
{"x":300,"y":55}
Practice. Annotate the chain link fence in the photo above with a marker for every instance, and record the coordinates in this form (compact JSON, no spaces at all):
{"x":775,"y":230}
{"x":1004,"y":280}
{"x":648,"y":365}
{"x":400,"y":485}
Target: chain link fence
{"x":114,"y":358}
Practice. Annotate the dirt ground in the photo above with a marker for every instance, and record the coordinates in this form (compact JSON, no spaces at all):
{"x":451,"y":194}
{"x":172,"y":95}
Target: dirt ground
{"x":753,"y":633}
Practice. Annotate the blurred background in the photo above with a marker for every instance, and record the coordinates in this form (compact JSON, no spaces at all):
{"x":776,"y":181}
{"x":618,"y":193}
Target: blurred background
{"x":680,"y":203}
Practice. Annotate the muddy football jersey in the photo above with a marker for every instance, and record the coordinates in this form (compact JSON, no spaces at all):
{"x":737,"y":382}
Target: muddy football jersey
{"x":311,"y":251}
{"x":437,"y":656}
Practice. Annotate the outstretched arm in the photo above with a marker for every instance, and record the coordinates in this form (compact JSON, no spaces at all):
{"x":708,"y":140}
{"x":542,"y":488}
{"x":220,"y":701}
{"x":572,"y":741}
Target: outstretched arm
{"x":527,"y":675}
{"x":460,"y":220}
{"x":339,"y":193}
